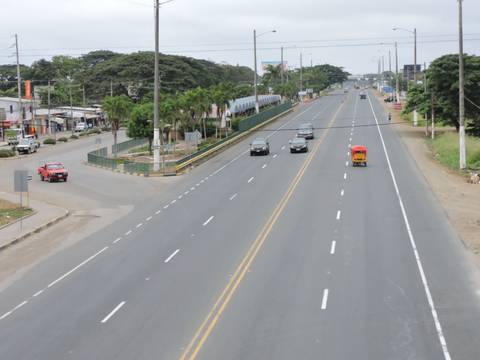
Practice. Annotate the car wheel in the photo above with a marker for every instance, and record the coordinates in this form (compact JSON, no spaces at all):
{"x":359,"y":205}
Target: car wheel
{"x":42,"y":178}
{"x":291,"y":151}
{"x":65,"y":180}
{"x":251,"y":153}
{"x":50,"y":179}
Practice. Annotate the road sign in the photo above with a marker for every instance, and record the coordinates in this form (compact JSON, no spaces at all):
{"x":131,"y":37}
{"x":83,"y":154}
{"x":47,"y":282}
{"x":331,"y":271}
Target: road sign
{"x":20,"y":181}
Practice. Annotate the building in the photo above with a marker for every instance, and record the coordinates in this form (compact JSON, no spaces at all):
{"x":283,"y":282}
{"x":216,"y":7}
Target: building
{"x":18,"y":115}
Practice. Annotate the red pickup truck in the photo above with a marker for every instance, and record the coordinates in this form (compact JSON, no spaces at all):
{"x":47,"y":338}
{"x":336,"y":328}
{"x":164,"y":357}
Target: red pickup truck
{"x":53,"y":171}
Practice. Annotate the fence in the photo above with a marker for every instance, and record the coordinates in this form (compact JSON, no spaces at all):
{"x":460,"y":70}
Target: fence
{"x":257,"y":119}
{"x":129,"y":144}
{"x":100,"y":158}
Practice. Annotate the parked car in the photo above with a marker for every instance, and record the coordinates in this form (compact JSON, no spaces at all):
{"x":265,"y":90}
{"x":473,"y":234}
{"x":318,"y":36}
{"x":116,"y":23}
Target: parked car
{"x":34,"y":139}
{"x":298,"y":145}
{"x":53,"y":171}
{"x":259,"y":146}
{"x":13,"y":136}
{"x":305,"y":131}
{"x":363,"y":96}
{"x":26,"y":146}
{"x":81,"y":127}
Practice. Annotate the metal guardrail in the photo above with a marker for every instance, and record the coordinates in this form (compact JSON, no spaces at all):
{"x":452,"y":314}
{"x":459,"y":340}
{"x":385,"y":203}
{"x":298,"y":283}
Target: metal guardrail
{"x":99,"y":158}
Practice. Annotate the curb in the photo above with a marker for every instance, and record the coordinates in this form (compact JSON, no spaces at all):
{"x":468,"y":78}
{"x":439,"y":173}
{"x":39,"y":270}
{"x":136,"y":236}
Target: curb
{"x":35,"y":231}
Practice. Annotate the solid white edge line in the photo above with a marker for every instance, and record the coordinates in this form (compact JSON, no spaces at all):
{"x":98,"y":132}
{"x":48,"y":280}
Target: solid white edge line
{"x":106,"y":318}
{"x":339,"y":213}
{"x":171,"y":256}
{"x":38,"y":293}
{"x":324,"y":299}
{"x":8,"y":313}
{"x":431,"y":303}
{"x":251,"y":179}
{"x":208,"y":220}
{"x":77,"y":267}
{"x":332,"y":249}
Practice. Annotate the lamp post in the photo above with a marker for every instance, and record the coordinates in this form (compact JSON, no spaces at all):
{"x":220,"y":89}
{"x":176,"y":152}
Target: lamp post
{"x":414,"y":33}
{"x":255,"y":36}
{"x":461,"y":88}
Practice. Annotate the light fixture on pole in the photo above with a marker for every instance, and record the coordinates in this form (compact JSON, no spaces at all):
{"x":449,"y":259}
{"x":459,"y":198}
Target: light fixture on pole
{"x":255,"y":36}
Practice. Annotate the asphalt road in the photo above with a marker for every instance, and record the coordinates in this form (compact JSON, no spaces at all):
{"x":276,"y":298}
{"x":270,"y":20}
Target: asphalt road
{"x":277,"y":257}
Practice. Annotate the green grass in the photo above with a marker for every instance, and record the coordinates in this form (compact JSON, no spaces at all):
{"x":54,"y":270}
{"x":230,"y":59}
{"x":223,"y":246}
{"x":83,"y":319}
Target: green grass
{"x":445,"y":148}
{"x":141,"y":149}
{"x":9,"y":215}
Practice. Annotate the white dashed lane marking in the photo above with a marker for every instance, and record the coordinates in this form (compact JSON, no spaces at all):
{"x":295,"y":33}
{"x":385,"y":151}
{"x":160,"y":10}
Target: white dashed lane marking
{"x":325,"y":299}
{"x":332,"y":248}
{"x":167,"y":260}
{"x":251,"y":179}
{"x":208,"y":220}
{"x":118,"y":307}
{"x":233,"y":196}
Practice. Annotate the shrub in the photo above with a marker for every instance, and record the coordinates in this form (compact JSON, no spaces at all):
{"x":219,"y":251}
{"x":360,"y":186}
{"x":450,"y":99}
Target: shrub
{"x":49,"y":141}
{"x":74,"y":137}
{"x":63,"y":139}
{"x":5,"y":153}
{"x":82,"y":134}
{"x":474,"y":160}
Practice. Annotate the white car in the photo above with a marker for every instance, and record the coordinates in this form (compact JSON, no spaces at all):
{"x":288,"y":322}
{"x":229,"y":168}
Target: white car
{"x":80,"y":127}
{"x":26,"y":146}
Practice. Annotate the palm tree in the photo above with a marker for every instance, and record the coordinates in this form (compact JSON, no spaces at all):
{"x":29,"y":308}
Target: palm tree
{"x":118,"y":109}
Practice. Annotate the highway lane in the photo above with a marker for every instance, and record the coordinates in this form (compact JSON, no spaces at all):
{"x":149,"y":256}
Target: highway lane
{"x":361,"y":297}
{"x":122,"y":272}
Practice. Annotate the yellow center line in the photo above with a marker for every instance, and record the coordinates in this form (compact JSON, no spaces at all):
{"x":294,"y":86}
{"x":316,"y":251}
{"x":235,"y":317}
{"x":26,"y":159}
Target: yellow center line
{"x":223,"y":300}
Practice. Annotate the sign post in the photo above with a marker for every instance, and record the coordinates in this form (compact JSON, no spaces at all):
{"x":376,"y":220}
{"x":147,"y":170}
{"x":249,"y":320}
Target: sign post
{"x":20,"y":185}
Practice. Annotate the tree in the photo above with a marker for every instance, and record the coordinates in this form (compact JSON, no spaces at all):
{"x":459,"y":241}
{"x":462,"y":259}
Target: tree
{"x":140,"y":124}
{"x":118,"y":109}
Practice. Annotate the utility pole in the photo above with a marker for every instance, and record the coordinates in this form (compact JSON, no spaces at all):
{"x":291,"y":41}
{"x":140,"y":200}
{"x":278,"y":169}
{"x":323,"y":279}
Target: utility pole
{"x":433,"y":116}
{"x":71,"y":107}
{"x":281,"y":65}
{"x":397,"y":82}
{"x":83,"y":93}
{"x":461,"y":86}
{"x":425,"y":89}
{"x":301,"y":73}
{"x":257,"y":107}
{"x":19,"y":84}
{"x":111,"y":88}
{"x":156,"y":123}
{"x":415,"y":113}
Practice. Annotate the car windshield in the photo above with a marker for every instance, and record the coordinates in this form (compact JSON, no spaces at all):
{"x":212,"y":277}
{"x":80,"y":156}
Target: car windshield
{"x":24,"y":141}
{"x":54,"y":166}
{"x":306,"y":127}
{"x":258,"y":142}
{"x":298,"y":141}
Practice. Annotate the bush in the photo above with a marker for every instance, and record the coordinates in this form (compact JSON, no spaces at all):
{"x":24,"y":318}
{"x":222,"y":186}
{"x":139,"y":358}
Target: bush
{"x":49,"y":141}
{"x":63,"y":139}
{"x":5,"y":153}
{"x":82,"y":134}
{"x":474,"y":160}
{"x":74,"y":137}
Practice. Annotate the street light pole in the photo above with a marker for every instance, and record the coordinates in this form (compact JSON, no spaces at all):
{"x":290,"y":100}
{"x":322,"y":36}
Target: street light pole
{"x":301,"y":73}
{"x":397,"y":82}
{"x":257,"y":107}
{"x":281,"y":63}
{"x":156,"y":127}
{"x":461,"y":86}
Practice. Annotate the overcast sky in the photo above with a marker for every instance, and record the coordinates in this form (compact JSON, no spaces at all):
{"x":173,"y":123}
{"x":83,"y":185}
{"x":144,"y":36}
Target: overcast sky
{"x":345,"y":33}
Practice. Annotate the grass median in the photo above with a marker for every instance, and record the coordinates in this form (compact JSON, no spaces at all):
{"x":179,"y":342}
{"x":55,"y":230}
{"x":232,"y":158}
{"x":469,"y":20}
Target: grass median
{"x":9,"y":212}
{"x":445,"y":149}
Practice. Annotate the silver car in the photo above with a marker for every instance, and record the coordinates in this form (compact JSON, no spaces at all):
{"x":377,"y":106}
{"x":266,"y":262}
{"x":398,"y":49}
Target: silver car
{"x":305,"y":131}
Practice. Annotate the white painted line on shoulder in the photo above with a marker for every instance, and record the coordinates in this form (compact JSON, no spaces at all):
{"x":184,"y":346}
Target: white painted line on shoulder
{"x":5,"y":315}
{"x":233,"y":196}
{"x":345,"y":176}
{"x":251,"y":179}
{"x":38,"y":293}
{"x":116,"y":240}
{"x":324,"y":299}
{"x":346,"y":163}
{"x":431,"y":303}
{"x":158,"y":212}
{"x":19,"y":305}
{"x":167,"y":260}
{"x":118,"y":307}
{"x":148,"y":218}
{"x":128,"y":232}
{"x":275,"y":155}
{"x":342,"y":192}
{"x":208,"y":220}
{"x":339,"y":213}
{"x":77,"y":267}
{"x":264,"y":166}
{"x":166,"y":206}
{"x":332,"y":248}
{"x":139,"y":225}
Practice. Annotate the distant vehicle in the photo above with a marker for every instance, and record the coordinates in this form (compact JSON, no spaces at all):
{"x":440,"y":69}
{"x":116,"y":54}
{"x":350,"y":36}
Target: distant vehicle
{"x":305,"y":131}
{"x":259,"y":146}
{"x":26,"y":146}
{"x":53,"y":171}
{"x":298,"y":145}
{"x":34,"y":139}
{"x":389,"y":99}
{"x":363,"y":96}
{"x":359,"y":155}
{"x":81,"y":127}
{"x":13,"y":136}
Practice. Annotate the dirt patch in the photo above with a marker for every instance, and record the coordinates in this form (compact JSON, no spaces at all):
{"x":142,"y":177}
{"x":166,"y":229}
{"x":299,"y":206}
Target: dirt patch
{"x":9,"y":212}
{"x":460,"y":200}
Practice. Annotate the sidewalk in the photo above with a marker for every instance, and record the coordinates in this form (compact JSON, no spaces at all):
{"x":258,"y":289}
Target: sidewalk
{"x":45,"y":216}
